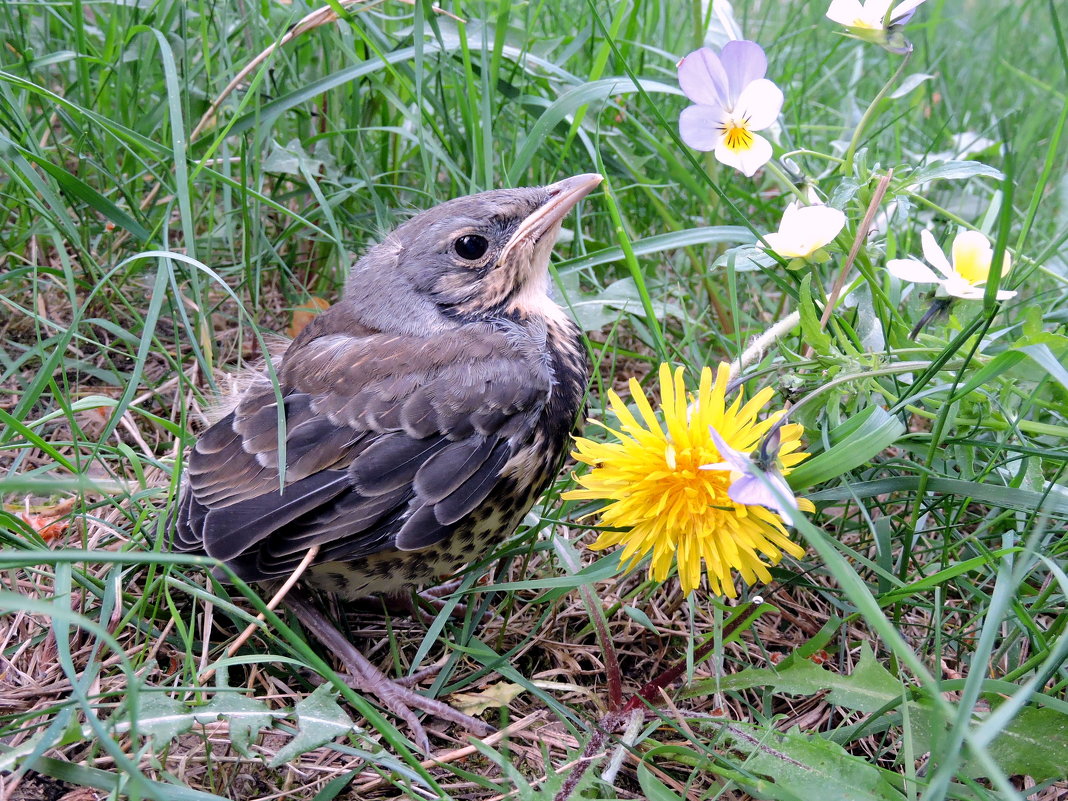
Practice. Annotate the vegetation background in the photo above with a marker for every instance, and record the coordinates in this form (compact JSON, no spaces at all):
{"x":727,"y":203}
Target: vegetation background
{"x":151,"y":232}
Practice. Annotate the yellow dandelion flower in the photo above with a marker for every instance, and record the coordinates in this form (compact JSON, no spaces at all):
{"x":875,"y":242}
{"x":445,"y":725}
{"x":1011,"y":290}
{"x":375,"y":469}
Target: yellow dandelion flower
{"x":667,"y":504}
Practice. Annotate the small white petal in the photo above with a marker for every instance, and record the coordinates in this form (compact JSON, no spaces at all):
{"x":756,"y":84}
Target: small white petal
{"x":845,"y":12}
{"x":934,"y":255}
{"x":805,"y":229}
{"x":1005,"y":294}
{"x":959,"y":288}
{"x":784,"y":245}
{"x":748,"y":161}
{"x":758,"y":105}
{"x":912,"y":270}
{"x":903,"y":8}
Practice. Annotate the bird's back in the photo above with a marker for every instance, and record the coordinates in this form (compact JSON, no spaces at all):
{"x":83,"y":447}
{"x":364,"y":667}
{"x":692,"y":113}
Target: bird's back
{"x":406,"y":457}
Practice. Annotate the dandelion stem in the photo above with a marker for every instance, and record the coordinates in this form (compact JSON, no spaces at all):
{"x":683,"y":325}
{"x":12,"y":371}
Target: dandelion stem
{"x":869,"y":114}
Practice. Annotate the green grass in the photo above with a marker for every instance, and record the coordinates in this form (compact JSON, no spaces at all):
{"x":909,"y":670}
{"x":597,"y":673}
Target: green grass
{"x":917,"y":651}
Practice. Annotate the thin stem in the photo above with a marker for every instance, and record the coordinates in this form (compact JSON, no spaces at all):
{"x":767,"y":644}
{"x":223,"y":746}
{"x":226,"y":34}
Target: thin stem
{"x":869,"y":114}
{"x":784,"y":179}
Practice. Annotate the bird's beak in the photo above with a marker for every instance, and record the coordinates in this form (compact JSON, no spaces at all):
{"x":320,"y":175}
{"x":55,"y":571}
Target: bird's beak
{"x":563,"y":195}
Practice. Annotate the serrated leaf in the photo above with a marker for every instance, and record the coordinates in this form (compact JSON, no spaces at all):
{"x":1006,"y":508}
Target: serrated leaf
{"x":868,"y":688}
{"x":319,"y":720}
{"x":245,"y":717}
{"x":804,"y":767}
{"x":159,"y":718}
{"x":813,"y":333}
{"x":1035,"y":744}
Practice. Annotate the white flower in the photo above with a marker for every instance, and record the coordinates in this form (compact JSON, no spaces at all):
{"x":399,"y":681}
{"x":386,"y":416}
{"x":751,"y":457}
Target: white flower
{"x":759,"y":482}
{"x":873,"y":21}
{"x":964,"y":278}
{"x":733,"y":100}
{"x":803,"y":230}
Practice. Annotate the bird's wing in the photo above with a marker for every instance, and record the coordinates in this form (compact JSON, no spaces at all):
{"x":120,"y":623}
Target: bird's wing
{"x":389,"y":442}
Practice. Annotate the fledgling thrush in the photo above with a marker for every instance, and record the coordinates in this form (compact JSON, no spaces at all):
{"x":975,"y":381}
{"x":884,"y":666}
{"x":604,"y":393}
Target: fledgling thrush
{"x":424,"y":414}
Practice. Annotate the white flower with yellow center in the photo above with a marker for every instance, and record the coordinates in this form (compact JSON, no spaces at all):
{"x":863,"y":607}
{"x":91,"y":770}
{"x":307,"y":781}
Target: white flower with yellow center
{"x":733,"y":100}
{"x":964,"y":277}
{"x":873,"y":20}
{"x":805,"y":230}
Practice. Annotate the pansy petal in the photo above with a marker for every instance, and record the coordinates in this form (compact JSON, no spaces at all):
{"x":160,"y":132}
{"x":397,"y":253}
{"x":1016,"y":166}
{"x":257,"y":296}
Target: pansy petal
{"x":845,"y":12}
{"x":971,"y":256}
{"x":744,"y":62}
{"x":912,"y":270}
{"x":903,"y":11}
{"x":740,"y":461}
{"x":749,"y":160}
{"x":934,"y":255}
{"x":784,"y":245}
{"x":959,"y":288}
{"x":809,"y":228}
{"x":758,"y":105}
{"x":703,"y":79}
{"x":699,"y":126}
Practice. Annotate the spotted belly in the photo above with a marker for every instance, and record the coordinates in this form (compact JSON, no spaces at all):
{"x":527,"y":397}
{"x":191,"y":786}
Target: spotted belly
{"x":392,"y":570}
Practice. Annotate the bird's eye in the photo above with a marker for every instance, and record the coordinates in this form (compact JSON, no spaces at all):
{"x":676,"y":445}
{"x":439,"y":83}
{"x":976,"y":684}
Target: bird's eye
{"x":471,"y":247}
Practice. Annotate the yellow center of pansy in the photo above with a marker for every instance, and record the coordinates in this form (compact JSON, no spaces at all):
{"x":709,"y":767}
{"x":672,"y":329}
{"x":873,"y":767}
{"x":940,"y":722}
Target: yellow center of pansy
{"x":737,"y":136}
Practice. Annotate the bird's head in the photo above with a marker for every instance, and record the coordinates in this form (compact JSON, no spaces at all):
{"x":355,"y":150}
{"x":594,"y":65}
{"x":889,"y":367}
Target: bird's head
{"x":477,"y":257}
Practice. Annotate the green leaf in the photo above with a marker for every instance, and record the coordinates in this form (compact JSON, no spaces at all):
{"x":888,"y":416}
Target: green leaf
{"x":953,"y":171}
{"x":1034,"y":744}
{"x":799,"y":767}
{"x":675,"y":240}
{"x":813,"y":333}
{"x":244,"y":715}
{"x":1053,"y":503}
{"x":159,"y":718}
{"x":652,"y":787}
{"x":855,"y":442}
{"x":868,"y":688}
{"x":319,"y":720}
{"x":566,"y":105}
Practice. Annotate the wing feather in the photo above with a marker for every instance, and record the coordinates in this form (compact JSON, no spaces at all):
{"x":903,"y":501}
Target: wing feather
{"x":390,"y":442}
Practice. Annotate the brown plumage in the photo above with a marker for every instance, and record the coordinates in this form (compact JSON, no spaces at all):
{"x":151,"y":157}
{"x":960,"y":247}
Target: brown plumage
{"x":424,"y":413}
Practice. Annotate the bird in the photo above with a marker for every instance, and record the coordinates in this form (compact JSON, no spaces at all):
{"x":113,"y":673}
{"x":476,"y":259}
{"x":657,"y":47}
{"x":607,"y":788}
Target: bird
{"x":421,"y":417}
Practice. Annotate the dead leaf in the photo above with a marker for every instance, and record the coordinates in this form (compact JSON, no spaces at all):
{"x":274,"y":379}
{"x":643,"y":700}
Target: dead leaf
{"x":495,"y":695}
{"x":302,"y":315}
{"x":51,"y":521}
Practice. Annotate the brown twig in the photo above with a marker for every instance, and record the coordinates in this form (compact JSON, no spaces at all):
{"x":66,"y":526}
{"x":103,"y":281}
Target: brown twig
{"x":271,"y":605}
{"x":858,"y":241}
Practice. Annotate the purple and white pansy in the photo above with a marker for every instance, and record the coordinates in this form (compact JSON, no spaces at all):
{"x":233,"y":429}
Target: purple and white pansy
{"x":732,"y":101}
